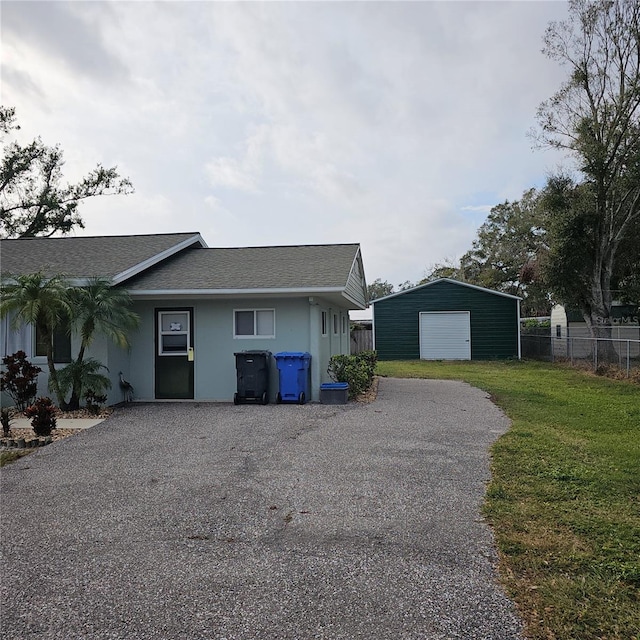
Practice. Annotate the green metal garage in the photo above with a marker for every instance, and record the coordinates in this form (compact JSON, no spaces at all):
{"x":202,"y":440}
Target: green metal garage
{"x":447,"y":320}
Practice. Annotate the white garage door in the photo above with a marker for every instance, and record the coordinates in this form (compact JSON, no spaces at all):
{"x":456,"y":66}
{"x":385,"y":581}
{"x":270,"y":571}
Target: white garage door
{"x":445,"y":335}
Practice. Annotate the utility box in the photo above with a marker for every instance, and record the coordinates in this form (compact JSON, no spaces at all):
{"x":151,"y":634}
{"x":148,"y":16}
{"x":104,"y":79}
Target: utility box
{"x":252,"y":372}
{"x":293,"y":370}
{"x":334,"y":393}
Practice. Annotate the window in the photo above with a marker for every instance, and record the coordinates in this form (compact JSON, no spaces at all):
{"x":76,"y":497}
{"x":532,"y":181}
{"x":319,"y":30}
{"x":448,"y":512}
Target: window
{"x":254,"y":323}
{"x":173,"y":333}
{"x":344,"y":324}
{"x":558,"y":331}
{"x":61,"y":344}
{"x":325,"y":322}
{"x":335,"y":324}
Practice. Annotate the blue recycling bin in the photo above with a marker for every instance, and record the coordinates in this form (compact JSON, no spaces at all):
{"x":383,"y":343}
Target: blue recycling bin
{"x":293,"y":369}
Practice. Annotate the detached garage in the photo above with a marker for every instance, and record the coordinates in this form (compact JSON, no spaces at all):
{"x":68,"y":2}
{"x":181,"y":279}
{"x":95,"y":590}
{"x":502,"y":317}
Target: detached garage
{"x":447,"y":320}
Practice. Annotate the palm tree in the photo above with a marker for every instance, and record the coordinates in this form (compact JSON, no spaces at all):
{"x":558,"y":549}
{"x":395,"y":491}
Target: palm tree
{"x":99,"y":307}
{"x":40,"y":301}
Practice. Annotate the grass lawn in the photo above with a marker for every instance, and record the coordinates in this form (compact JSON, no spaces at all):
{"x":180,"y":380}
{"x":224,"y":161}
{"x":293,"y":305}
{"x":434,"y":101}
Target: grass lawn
{"x":564,"y":499}
{"x":10,"y":456}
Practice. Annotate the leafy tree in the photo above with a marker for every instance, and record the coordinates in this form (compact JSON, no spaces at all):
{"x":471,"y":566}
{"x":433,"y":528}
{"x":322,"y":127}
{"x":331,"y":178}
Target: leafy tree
{"x":33,"y":200}
{"x":448,"y":269}
{"x":508,"y":251}
{"x":47,"y":303}
{"x":594,"y":225}
{"x":100,"y":308}
{"x":42,"y":302}
{"x":379,"y":289}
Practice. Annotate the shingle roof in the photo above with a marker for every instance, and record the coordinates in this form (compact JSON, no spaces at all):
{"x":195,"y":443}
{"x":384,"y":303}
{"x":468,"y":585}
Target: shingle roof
{"x":82,"y":257}
{"x":300,"y":267}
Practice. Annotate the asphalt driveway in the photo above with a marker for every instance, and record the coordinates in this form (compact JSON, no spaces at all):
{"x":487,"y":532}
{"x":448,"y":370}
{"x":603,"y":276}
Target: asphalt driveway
{"x":208,"y":521}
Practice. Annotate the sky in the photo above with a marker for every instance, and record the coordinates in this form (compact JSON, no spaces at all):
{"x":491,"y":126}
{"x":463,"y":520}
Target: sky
{"x":397,"y":125}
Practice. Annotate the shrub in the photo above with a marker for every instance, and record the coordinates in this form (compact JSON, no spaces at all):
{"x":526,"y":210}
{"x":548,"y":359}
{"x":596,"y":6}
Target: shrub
{"x":19,"y":379}
{"x":85,"y":375}
{"x":358,"y":370}
{"x":95,"y":401}
{"x":43,"y":416}
{"x":5,"y":420}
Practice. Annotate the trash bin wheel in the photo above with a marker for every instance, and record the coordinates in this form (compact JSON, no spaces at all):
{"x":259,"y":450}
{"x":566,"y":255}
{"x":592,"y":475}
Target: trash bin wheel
{"x":279,"y":398}
{"x":265,"y":398}
{"x":236,"y":398}
{"x":301,"y":398}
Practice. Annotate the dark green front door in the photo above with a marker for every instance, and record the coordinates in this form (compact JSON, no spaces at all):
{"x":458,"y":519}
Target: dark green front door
{"x":174,"y":354}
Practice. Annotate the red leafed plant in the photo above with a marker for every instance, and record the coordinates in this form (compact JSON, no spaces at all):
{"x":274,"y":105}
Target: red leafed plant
{"x":43,"y":416}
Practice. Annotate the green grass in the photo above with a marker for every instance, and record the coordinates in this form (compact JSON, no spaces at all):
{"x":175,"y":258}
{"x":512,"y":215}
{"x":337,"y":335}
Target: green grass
{"x":564,"y":499}
{"x":11,"y":456}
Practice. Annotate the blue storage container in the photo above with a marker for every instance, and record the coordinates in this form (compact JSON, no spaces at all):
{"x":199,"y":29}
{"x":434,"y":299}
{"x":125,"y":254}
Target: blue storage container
{"x":334,"y":393}
{"x":293,"y":368}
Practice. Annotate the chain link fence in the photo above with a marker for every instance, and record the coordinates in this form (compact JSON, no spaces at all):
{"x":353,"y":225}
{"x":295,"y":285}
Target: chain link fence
{"x":623,"y":353}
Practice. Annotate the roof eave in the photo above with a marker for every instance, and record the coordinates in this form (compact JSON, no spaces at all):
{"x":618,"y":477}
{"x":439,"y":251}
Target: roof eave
{"x":284,"y":292}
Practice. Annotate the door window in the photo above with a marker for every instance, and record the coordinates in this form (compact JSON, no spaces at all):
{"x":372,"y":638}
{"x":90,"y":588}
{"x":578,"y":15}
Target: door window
{"x":173,"y":332}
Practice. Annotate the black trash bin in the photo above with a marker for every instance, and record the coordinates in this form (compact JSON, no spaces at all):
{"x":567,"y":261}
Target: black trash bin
{"x":252,"y":370}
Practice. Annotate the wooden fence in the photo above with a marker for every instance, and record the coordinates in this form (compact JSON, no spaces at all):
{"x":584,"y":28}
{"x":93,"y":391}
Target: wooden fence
{"x":361,"y":340}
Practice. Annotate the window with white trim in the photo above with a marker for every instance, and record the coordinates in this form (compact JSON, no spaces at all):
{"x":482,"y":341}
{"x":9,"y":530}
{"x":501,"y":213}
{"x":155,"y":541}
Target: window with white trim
{"x":325,"y":322}
{"x":254,"y":323}
{"x":335,"y":324}
{"x":174,"y":333}
{"x":344,"y":324}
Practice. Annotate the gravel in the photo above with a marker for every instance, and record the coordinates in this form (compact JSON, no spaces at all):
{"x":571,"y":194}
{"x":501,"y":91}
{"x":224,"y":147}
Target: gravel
{"x":214,"y":521}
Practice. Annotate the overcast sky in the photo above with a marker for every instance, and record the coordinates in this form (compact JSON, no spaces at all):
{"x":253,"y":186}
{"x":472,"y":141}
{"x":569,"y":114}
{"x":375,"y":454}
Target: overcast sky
{"x":397,"y":125}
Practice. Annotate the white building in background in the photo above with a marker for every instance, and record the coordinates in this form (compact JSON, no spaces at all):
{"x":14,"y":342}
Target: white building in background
{"x":571,"y":337}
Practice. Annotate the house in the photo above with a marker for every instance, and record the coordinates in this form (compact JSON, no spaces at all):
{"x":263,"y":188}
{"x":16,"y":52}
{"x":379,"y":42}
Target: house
{"x":447,"y":320}
{"x":199,"y":306}
{"x":571,"y":336}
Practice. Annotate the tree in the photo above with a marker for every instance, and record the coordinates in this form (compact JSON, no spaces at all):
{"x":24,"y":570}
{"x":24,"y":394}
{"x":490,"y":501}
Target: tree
{"x":33,"y":200}
{"x":101,"y":308}
{"x":506,"y":255}
{"x":42,"y":302}
{"x":379,"y":289}
{"x":594,"y":224}
{"x":450,"y":268}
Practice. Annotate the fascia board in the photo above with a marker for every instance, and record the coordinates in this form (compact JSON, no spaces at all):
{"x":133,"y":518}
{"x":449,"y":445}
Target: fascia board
{"x":158,"y":257}
{"x":150,"y":293}
{"x":463,"y":284}
{"x":357,"y":259}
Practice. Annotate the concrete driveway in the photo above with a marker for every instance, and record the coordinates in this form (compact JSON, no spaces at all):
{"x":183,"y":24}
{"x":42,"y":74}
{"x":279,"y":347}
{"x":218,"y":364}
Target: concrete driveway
{"x":203,"y":521}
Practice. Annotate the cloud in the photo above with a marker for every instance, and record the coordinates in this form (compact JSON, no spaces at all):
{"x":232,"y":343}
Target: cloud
{"x":65,"y":31}
{"x":397,"y":125}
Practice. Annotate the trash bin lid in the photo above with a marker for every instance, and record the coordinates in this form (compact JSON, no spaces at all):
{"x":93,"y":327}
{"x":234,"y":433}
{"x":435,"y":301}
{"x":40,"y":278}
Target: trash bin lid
{"x":252,"y":353}
{"x":293,"y":354}
{"x":334,"y":385}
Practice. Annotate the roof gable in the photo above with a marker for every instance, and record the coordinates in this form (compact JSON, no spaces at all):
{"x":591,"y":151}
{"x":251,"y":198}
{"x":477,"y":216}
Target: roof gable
{"x":451,"y":281}
{"x":116,"y":257}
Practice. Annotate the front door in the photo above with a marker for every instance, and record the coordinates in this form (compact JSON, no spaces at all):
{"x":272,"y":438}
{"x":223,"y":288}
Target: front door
{"x":174,"y":354}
